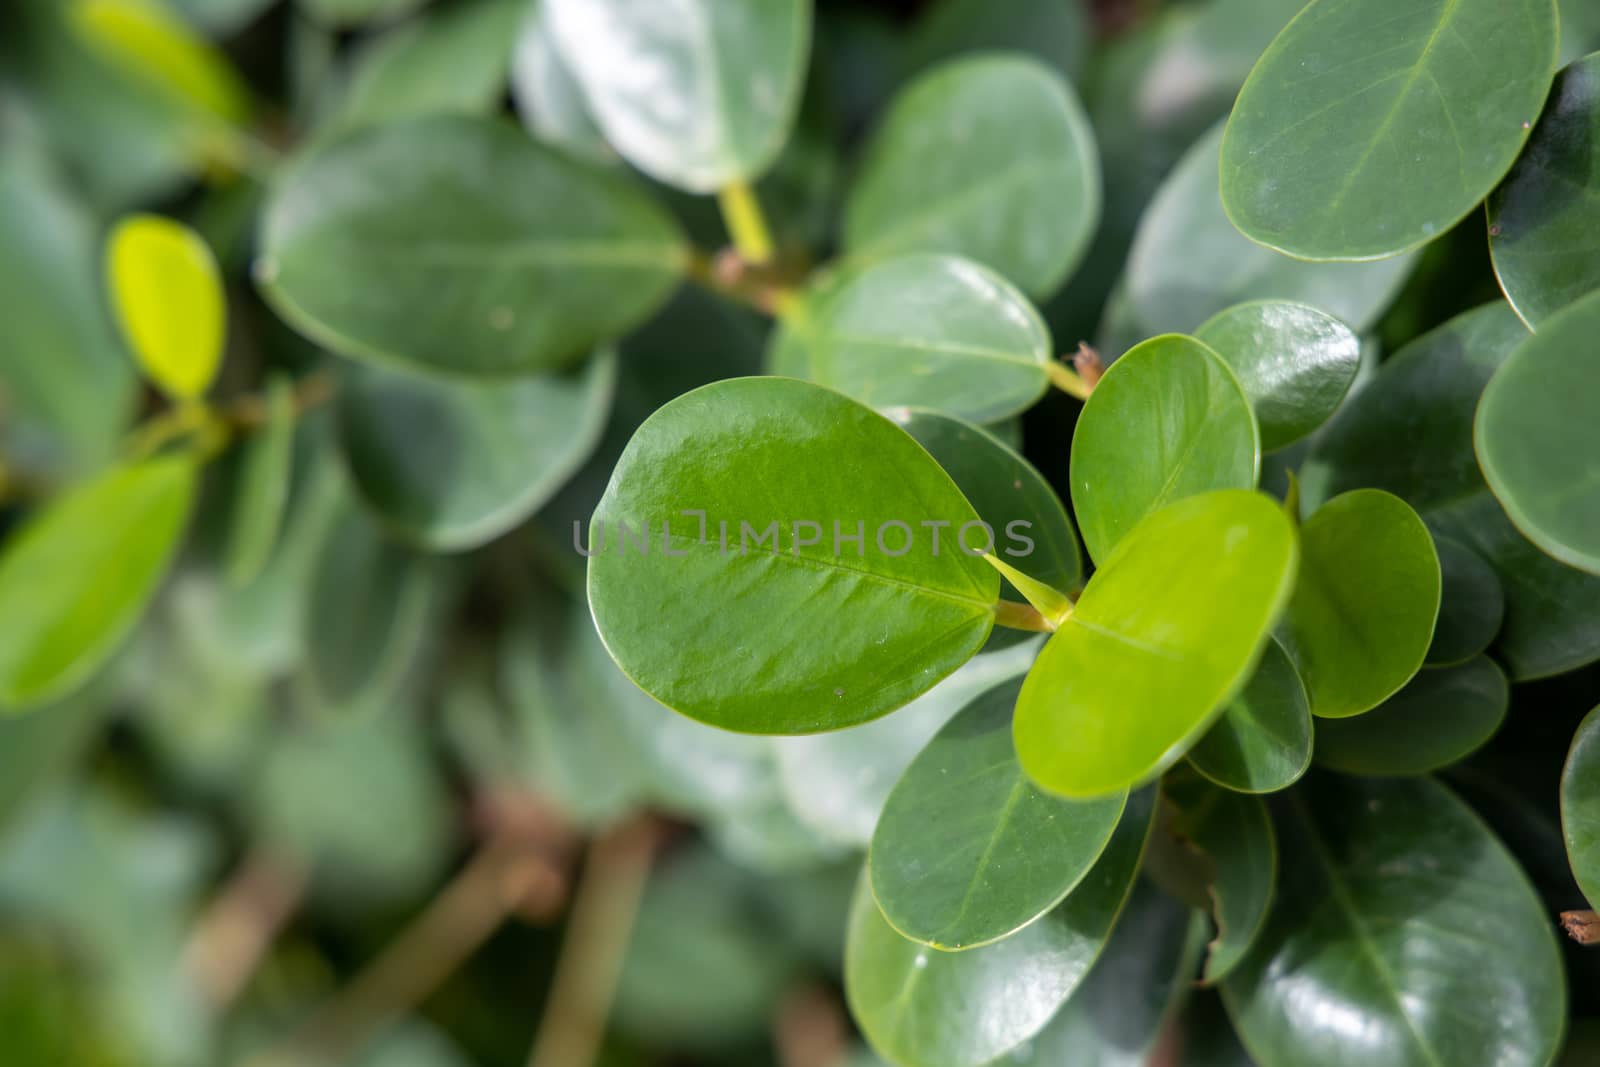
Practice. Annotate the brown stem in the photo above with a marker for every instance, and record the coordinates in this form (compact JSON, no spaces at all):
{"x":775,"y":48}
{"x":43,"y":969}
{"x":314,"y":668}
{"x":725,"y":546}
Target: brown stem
{"x":598,"y":931}
{"x":238,"y":927}
{"x":1016,"y":616}
{"x":810,"y":1029}
{"x":1582,"y":926}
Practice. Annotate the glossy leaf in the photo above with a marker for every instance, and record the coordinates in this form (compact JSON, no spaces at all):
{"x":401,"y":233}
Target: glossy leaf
{"x":1262,"y":742}
{"x":1149,"y":658}
{"x":1364,"y":609}
{"x":1538,"y":441}
{"x":1337,"y":149}
{"x":837,"y":783}
{"x":1295,"y":363}
{"x":931,"y":331}
{"x":1188,"y":262}
{"x":990,"y":158}
{"x":968,"y":851}
{"x":961,"y":1009}
{"x":695,"y":93}
{"x":266,"y":471}
{"x":459,"y":245}
{"x":1442,"y":716}
{"x":1119,"y":1014}
{"x":1397,"y":909}
{"x":1580,"y":807}
{"x":1233,"y":837}
{"x":75,"y":580}
{"x":167,"y":293}
{"x":766,"y":639}
{"x":1167,"y":421}
{"x":452,"y":465}
{"x":547,"y":93}
{"x":1006,"y":490}
{"x":1539,"y":217}
{"x":1472,"y":604}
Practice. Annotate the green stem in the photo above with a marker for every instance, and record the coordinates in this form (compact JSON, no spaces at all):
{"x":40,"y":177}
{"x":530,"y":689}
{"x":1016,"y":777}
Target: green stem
{"x":1014,"y":616}
{"x":1052,"y":605}
{"x":1066,"y":380}
{"x":741,"y":212}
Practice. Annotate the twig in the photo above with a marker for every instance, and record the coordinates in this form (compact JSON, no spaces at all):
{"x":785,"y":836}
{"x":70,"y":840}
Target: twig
{"x":598,"y":931}
{"x":238,"y":927}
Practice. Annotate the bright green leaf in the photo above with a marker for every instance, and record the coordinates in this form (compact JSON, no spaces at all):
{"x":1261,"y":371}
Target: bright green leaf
{"x":697,"y":94}
{"x":460,"y":246}
{"x":1580,"y":807}
{"x":931,"y":331}
{"x":167,"y":293}
{"x":1442,"y":716}
{"x":1365,"y":130}
{"x":962,"y":1009}
{"x":968,"y":851}
{"x":1295,"y":363}
{"x":1364,"y":609}
{"x":766,"y":604}
{"x":1157,"y":645}
{"x":1398,"y":912}
{"x":75,"y":580}
{"x":1262,"y":742}
{"x":990,"y":158}
{"x":146,"y":40}
{"x":1167,"y":421}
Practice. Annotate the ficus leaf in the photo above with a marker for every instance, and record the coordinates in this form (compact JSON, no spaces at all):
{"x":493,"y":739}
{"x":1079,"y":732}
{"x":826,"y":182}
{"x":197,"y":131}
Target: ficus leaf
{"x":1397,"y":906}
{"x":1348,"y":144}
{"x":1295,"y":363}
{"x":167,"y":293}
{"x":695,"y":93}
{"x":1364,"y":608}
{"x":962,"y":1009}
{"x":1539,"y":216}
{"x":766,"y":611}
{"x":1262,"y":741}
{"x":989,"y":157}
{"x":1580,"y":807}
{"x":931,"y":331}
{"x":1156,"y":646}
{"x":1538,"y":441}
{"x":1167,"y":421}
{"x":460,"y":246}
{"x":76,"y":578}
{"x":968,"y":850}
{"x":1440,"y":717}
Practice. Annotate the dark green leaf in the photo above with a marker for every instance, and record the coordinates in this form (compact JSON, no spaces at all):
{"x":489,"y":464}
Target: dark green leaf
{"x":1580,"y":807}
{"x":261,"y":494}
{"x":458,"y":245}
{"x":1472,"y":604}
{"x":1442,"y":716}
{"x":1365,"y":131}
{"x":1057,"y":34}
{"x":1262,"y":742}
{"x":1232,"y":833}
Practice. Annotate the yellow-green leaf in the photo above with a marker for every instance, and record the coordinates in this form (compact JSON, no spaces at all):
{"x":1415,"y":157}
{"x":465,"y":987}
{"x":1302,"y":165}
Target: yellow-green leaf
{"x":167,"y":294}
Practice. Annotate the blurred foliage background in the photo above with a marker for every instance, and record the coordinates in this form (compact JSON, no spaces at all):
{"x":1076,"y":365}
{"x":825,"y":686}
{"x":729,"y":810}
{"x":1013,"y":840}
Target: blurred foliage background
{"x":376,"y":806}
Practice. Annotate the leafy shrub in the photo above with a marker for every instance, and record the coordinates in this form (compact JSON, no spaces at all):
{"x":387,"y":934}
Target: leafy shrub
{"x":378,"y":471}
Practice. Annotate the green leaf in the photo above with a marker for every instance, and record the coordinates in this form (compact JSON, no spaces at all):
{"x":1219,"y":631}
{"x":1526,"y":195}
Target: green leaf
{"x":931,"y":331}
{"x":1058,"y":35}
{"x":1004,"y":489}
{"x":1188,"y":262}
{"x":167,"y":293}
{"x":967,"y":850}
{"x":1364,"y":132}
{"x":1167,"y":421}
{"x":697,"y":94}
{"x":1363,"y":611}
{"x":455,"y":60}
{"x":837,"y":783}
{"x":1232,"y":833}
{"x":147,"y":41}
{"x":451,"y":465}
{"x":1118,"y":1015}
{"x":460,"y":246}
{"x":1538,"y":441}
{"x":1442,"y":716}
{"x":1580,"y":807}
{"x":1262,"y":742}
{"x":76,"y":579}
{"x":345,"y":13}
{"x":547,"y":94}
{"x":261,"y":494}
{"x":1539,"y":216}
{"x":990,"y":158}
{"x":1472,"y":604}
{"x":1410,"y":431}
{"x":1397,"y":911}
{"x":1295,"y":363}
{"x":962,"y":1009}
{"x":1157,"y":645}
{"x":765,"y":634}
